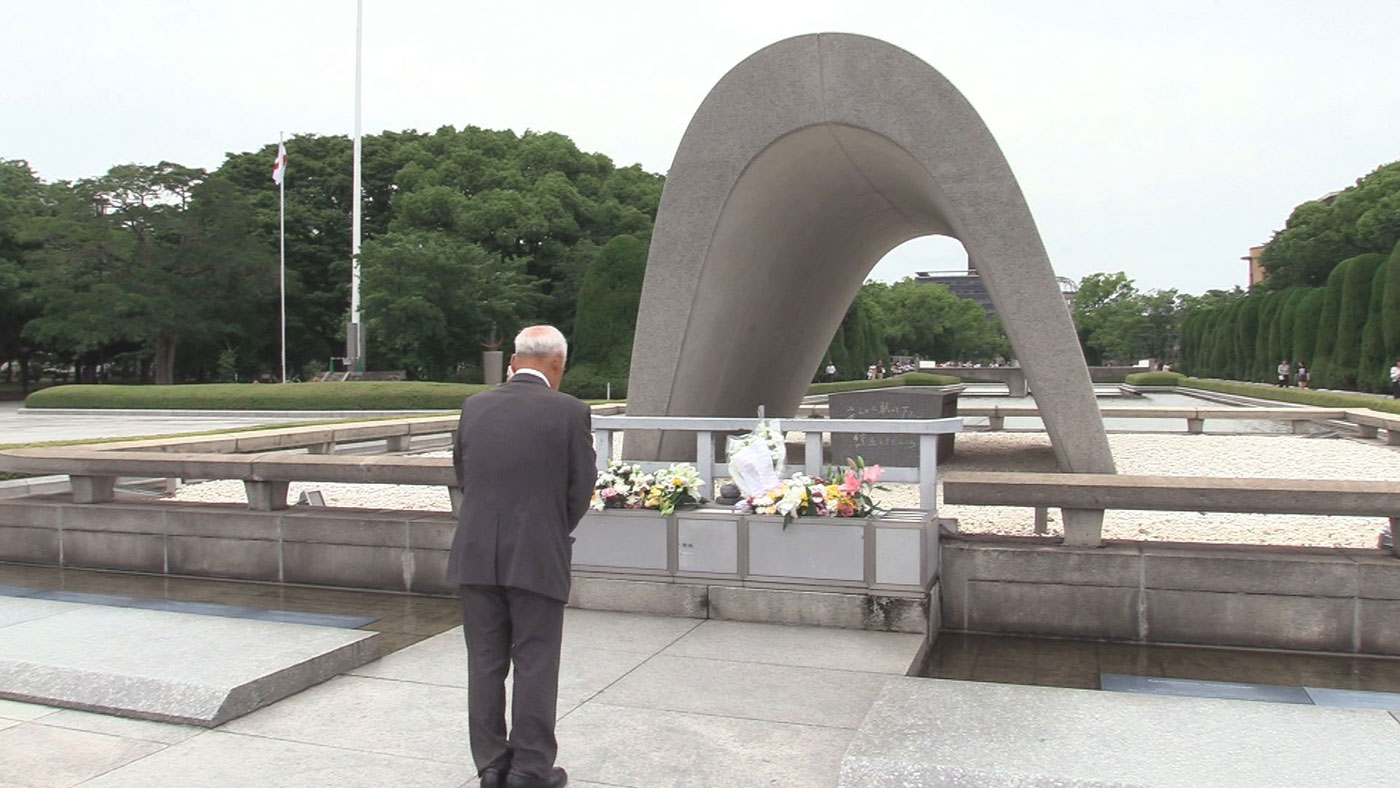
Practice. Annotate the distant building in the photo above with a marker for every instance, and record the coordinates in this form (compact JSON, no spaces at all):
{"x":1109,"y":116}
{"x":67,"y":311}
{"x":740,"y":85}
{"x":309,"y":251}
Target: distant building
{"x":1256,"y":268}
{"x":964,"y":284}
{"x":968,"y":284}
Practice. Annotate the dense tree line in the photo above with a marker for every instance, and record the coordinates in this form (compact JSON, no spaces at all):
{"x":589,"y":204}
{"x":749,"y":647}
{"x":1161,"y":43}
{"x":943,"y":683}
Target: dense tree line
{"x":1363,"y":218}
{"x":1330,"y":300}
{"x":168,"y":273}
{"x":1347,"y":331}
{"x":171,"y":272}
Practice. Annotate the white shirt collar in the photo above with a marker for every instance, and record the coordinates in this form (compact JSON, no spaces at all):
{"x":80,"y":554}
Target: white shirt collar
{"x":535,"y":372}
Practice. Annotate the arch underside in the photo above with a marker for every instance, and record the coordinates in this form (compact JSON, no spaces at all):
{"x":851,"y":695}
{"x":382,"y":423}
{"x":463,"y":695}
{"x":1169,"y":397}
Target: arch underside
{"x":807,"y":163}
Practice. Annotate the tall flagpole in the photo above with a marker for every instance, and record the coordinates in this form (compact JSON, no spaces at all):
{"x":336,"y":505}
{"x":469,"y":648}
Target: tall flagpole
{"x":354,"y":337}
{"x":282,"y":250}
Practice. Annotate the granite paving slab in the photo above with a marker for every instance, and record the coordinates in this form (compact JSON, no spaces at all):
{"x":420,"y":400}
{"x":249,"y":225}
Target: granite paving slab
{"x":623,"y":631}
{"x":400,"y":718}
{"x":17,"y":710}
{"x":933,"y":732}
{"x":777,"y":693}
{"x":218,"y":759}
{"x":808,"y":647}
{"x":442,"y":659}
{"x":125,"y":727}
{"x":171,"y":667}
{"x":17,"y":610}
{"x":652,"y":748}
{"x":39,"y":756}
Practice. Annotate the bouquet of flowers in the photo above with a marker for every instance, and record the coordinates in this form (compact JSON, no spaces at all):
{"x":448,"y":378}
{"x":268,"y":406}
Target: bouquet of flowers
{"x":676,"y":486}
{"x":621,"y":486}
{"x":845,"y":492}
{"x":626,"y":486}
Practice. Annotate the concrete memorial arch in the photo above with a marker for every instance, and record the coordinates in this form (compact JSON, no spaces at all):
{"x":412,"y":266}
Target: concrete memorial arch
{"x":806,"y":164}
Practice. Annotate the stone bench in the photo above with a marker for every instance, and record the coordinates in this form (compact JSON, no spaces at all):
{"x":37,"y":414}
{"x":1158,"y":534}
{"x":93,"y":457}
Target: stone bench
{"x":318,"y":439}
{"x":265,"y":476}
{"x":1081,"y":491}
{"x":1195,"y":418}
{"x":1368,"y":421}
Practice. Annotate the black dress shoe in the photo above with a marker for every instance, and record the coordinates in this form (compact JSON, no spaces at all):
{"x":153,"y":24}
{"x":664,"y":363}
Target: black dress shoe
{"x":557,"y":778}
{"x":492,"y":777}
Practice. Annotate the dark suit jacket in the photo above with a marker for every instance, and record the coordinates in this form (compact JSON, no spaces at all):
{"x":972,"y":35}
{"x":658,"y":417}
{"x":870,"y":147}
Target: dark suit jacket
{"x":524,"y":460}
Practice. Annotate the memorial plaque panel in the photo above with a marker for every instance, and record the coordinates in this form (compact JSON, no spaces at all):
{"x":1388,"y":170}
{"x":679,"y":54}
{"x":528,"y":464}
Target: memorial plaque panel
{"x":906,"y":402}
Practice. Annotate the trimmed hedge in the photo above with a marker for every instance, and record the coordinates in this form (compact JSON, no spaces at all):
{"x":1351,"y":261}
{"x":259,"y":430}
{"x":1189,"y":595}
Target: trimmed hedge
{"x":1321,"y":399}
{"x":907,"y":379}
{"x":350,"y":395}
{"x":589,"y":381}
{"x":1154,"y":379}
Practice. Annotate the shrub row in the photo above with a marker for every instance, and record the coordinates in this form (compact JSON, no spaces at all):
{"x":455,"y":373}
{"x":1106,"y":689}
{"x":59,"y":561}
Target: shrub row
{"x":1154,"y":378}
{"x":1320,"y":399}
{"x":352,"y":395}
{"x":907,"y":379}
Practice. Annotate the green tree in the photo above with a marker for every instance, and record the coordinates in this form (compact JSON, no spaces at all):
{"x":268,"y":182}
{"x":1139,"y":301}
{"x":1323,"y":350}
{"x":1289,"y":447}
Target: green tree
{"x":606,"y":316}
{"x":1351,"y":317}
{"x":1108,"y":314}
{"x":430,"y":300}
{"x":1266,"y":357}
{"x":1390,"y":305}
{"x":930,"y":322}
{"x":1305,"y":326}
{"x":1321,"y":233}
{"x":153,"y":256}
{"x":21,"y":202}
{"x":1373,"y":365}
{"x":1246,"y":329}
{"x":1288,"y":315}
{"x":1324,"y":372}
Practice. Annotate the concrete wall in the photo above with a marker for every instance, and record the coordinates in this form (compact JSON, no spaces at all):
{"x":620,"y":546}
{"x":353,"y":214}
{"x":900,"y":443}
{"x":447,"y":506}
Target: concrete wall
{"x":390,"y":550}
{"x":1345,"y":601}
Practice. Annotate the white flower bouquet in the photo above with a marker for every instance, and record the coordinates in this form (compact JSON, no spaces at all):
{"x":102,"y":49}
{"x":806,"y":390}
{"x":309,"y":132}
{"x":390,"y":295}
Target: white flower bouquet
{"x":626,"y":486}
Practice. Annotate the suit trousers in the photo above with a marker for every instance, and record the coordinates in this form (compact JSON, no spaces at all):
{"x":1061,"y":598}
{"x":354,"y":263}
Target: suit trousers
{"x":505,"y":625}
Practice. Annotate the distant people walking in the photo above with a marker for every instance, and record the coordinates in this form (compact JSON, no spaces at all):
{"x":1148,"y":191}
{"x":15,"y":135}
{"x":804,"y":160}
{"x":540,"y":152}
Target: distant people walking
{"x":1395,"y":380}
{"x":1283,"y":373}
{"x":1302,"y":377}
{"x":524,"y":462}
{"x":830,"y":372}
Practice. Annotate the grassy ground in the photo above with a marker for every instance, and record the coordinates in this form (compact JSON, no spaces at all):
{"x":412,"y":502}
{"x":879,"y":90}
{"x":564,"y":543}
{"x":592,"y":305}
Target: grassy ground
{"x":355,"y":395}
{"x":1320,"y":399}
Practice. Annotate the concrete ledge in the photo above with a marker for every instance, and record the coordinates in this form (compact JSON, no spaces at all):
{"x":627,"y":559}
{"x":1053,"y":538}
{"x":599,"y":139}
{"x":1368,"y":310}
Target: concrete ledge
{"x":930,"y":732}
{"x":640,"y":596}
{"x":1306,"y":599}
{"x":172,"y":667}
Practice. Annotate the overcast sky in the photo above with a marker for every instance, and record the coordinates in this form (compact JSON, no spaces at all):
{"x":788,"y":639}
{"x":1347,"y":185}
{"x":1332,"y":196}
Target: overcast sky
{"x":1161,"y":139}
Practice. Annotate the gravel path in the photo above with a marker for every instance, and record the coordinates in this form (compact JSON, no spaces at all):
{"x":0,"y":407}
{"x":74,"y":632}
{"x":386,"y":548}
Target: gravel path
{"x":1273,"y":456}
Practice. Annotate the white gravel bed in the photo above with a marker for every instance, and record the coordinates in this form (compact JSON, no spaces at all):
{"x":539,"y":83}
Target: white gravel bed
{"x":1271,"y":456}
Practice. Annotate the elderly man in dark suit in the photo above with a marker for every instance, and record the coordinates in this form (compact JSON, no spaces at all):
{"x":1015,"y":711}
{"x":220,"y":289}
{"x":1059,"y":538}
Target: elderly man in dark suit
{"x":524,"y":461}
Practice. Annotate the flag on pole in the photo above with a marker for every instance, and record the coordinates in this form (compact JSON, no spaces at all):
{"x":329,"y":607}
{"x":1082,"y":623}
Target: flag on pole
{"x":279,"y":167}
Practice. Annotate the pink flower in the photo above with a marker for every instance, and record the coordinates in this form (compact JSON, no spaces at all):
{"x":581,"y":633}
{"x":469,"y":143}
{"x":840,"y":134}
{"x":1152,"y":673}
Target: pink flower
{"x":872,"y":472}
{"x":845,"y":509}
{"x":851,"y":484}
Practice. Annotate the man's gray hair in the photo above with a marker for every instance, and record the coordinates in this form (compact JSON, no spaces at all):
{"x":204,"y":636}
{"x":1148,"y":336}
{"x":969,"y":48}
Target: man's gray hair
{"x":541,"y":342}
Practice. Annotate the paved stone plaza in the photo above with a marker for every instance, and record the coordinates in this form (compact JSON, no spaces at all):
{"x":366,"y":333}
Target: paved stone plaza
{"x":644,"y":702}
{"x":654,"y":702}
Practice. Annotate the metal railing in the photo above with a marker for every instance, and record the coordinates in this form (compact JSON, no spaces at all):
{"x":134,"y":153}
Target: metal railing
{"x":926,"y":430}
